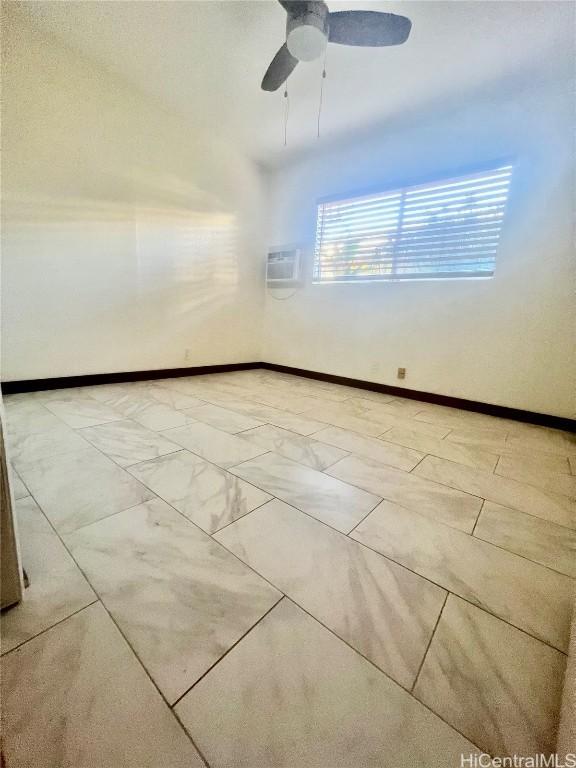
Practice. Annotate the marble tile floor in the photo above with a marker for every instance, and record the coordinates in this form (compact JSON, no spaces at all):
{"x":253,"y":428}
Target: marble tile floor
{"x":258,"y":570}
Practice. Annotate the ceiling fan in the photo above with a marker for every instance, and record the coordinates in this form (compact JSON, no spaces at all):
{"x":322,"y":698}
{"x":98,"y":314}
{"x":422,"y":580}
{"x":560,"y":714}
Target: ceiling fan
{"x":310,"y":26}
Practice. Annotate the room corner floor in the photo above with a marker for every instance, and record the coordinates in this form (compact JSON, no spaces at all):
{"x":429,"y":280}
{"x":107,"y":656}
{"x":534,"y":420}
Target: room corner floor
{"x":258,"y":570}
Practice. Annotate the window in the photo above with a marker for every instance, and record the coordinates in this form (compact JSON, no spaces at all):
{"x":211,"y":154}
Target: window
{"x":444,"y":229}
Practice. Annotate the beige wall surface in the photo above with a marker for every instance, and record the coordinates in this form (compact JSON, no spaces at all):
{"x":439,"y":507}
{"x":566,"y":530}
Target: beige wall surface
{"x":129,"y":242}
{"x":509,"y":340}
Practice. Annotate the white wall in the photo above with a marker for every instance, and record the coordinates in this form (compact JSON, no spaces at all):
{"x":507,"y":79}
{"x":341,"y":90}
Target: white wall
{"x":126,"y":239}
{"x":509,"y":340}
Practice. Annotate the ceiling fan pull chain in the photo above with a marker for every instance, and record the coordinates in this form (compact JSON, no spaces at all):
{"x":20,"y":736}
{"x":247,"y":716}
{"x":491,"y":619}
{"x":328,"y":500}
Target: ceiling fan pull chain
{"x":321,"y":93}
{"x":286,"y":113}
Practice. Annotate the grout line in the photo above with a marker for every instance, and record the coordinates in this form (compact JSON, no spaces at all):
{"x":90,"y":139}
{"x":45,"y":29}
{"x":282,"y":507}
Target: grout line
{"x":420,"y":461}
{"x":245,"y":461}
{"x":477,"y":517}
{"x":348,"y":454}
{"x":100,"y":519}
{"x":56,"y":623}
{"x":211,"y":667}
{"x":364,"y":518}
{"x":241,"y":517}
{"x":429,"y":644}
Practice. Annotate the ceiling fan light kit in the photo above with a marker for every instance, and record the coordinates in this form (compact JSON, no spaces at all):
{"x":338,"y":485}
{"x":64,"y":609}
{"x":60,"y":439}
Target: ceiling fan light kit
{"x":310,"y":27}
{"x":307,"y":31}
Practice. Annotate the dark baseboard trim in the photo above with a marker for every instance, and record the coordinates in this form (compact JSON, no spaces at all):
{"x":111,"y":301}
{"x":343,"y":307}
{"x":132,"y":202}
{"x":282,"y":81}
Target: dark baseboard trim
{"x":63,"y":382}
{"x":501,"y":411}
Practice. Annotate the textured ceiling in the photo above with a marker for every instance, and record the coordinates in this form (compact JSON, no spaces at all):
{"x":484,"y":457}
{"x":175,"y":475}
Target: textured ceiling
{"x":205,"y":59}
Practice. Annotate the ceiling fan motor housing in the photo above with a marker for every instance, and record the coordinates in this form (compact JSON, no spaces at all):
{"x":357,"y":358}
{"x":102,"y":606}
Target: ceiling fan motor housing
{"x":307,"y":30}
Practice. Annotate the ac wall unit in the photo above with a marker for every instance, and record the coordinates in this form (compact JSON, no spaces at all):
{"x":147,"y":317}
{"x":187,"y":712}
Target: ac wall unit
{"x":283,"y":266}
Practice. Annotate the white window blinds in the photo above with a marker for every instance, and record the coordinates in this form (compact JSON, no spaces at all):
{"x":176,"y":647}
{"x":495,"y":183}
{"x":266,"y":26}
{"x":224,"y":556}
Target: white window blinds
{"x":444,"y":229}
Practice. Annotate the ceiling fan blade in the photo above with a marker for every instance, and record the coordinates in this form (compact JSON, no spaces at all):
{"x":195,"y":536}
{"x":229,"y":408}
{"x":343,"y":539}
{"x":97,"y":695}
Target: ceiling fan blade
{"x":371,"y":28}
{"x":279,"y":70}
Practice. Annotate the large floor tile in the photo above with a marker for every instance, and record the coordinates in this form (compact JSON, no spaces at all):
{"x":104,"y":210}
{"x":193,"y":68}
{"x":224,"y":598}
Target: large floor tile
{"x":455,"y":418}
{"x":345,"y":392}
{"x":319,"y":389}
{"x":390,"y":417}
{"x":260,"y":392}
{"x":82,"y":411}
{"x":26,"y":417}
{"x":127,"y":442}
{"x":400,"y":406}
{"x":291,"y":694}
{"x":111,"y":393}
{"x":180,"y":599}
{"x":379,"y":608}
{"x":304,"y":450}
{"x":136,"y":402}
{"x":379,"y":415}
{"x":533,"y":471}
{"x":551,"y":441}
{"x":170,"y":397}
{"x":31,"y":446}
{"x":525,"y":594}
{"x":432,"y":499}
{"x":303,"y":386}
{"x":463,"y":454}
{"x":222,"y":418}
{"x":336,"y":503}
{"x":206,"y":494}
{"x":495,"y":684}
{"x":268,"y":415}
{"x":524,"y":464}
{"x":57,"y":587}
{"x":207,"y":388}
{"x":285,"y":400}
{"x":530,"y":442}
{"x":214,"y":445}
{"x":334,"y":415}
{"x":527,"y":498}
{"x":64,"y":393}
{"x":363,"y":408}
{"x":76,"y":697}
{"x":157,"y":416}
{"x":74,"y":489}
{"x":372,"y":447}
{"x":477,"y":437}
{"x":538,"y":540}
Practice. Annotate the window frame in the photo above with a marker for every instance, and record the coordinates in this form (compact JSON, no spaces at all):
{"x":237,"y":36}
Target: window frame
{"x":400,"y":187}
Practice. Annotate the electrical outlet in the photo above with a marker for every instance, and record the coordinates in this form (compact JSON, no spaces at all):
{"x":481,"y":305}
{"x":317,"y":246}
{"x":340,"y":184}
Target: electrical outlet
{"x":401,"y":373}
